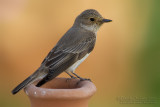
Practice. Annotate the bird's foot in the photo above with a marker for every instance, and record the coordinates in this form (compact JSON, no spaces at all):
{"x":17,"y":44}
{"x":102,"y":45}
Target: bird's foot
{"x":72,"y":77}
{"x":83,"y":79}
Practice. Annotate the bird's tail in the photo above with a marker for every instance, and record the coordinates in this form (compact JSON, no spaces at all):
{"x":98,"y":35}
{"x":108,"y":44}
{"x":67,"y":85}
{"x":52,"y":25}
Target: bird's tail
{"x":27,"y":81}
{"x":32,"y":78}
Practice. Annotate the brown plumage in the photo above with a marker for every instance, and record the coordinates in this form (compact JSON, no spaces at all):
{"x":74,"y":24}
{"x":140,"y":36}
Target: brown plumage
{"x":71,"y":50}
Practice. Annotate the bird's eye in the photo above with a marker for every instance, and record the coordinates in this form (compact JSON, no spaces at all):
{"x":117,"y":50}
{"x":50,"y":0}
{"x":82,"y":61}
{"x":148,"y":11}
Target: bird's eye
{"x":91,"y":19}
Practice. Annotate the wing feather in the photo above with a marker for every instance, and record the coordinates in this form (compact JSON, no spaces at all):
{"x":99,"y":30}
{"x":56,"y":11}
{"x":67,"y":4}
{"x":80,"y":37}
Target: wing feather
{"x":71,"y":47}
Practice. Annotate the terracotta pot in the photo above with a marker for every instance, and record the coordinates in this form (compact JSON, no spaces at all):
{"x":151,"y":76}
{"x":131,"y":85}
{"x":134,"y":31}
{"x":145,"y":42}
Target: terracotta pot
{"x":61,"y":92}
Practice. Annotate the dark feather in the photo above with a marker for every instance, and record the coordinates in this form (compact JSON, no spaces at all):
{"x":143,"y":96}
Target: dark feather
{"x":55,"y":71}
{"x":22,"y":85}
{"x":72,"y":47}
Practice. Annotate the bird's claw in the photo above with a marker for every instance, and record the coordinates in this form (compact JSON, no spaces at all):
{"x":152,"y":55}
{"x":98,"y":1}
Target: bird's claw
{"x":73,"y":77}
{"x":83,"y":79}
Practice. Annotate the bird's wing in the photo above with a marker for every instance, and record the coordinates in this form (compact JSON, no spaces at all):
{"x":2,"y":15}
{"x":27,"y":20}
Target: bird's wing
{"x":72,"y":43}
{"x":66,"y":53}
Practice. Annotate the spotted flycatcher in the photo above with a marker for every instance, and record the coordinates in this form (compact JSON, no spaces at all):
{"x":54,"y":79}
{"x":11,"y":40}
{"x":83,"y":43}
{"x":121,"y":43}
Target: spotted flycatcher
{"x":70,"y":51}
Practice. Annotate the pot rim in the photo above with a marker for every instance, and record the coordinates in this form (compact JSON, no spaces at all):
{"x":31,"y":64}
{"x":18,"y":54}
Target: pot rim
{"x":84,"y":89}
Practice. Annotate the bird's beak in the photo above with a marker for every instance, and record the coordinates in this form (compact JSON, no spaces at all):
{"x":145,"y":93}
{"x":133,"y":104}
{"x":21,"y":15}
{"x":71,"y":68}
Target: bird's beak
{"x":106,"y":20}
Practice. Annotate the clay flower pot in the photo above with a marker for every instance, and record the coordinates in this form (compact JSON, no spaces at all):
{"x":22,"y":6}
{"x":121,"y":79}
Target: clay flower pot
{"x":61,"y":92}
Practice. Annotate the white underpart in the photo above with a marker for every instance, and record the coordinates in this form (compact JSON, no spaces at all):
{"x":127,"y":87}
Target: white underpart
{"x":93,"y":28}
{"x":76,"y":64}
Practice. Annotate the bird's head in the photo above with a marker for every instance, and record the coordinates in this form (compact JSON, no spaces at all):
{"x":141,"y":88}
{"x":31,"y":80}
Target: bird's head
{"x":90,"y":20}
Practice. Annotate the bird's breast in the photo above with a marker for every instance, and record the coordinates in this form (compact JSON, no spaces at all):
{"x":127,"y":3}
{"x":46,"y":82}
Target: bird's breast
{"x":76,"y":64}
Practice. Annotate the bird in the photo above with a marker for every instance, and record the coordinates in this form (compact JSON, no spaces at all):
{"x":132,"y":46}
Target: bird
{"x":70,"y":51}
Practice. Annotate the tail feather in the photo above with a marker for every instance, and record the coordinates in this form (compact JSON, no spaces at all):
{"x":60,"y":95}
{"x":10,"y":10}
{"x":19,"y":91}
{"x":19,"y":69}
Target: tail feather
{"x":27,"y":81}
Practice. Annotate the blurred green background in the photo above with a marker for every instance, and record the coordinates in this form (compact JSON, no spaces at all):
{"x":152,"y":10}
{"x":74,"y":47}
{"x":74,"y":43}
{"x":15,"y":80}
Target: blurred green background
{"x":124,"y":63}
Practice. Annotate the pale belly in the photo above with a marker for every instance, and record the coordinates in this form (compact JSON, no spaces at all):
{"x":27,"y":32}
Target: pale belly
{"x":76,"y":64}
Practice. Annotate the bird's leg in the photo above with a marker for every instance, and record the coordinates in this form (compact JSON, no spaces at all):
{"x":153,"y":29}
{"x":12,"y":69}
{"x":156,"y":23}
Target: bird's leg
{"x":70,"y":75}
{"x":81,"y":79}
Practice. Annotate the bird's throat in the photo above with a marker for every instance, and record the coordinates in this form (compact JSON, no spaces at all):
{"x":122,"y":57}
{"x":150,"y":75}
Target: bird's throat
{"x":93,"y":28}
